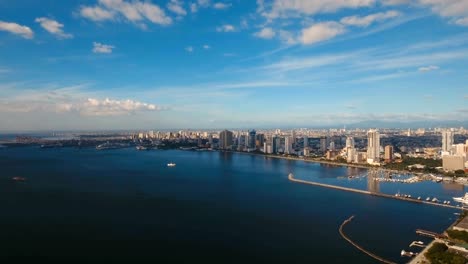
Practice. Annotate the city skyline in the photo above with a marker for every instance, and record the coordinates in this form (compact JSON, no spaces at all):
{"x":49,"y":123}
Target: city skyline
{"x":114,"y":64}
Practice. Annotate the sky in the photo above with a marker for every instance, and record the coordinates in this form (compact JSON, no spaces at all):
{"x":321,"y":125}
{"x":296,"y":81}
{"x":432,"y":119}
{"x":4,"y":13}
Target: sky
{"x":161,"y":64}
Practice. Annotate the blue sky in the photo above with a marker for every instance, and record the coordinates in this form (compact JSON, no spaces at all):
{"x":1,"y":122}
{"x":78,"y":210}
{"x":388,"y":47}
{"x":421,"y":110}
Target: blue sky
{"x":115,"y":64}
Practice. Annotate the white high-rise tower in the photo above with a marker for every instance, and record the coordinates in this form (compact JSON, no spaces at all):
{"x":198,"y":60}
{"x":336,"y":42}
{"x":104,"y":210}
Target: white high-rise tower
{"x":373,"y":146}
{"x":447,"y":140}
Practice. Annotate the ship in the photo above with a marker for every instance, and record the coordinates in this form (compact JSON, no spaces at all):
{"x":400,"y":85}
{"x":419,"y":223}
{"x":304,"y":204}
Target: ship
{"x":463,"y":200}
{"x":171,"y":164}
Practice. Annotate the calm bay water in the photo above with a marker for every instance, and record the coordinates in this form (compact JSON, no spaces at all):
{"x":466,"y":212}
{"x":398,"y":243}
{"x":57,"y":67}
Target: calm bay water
{"x":128,"y":205}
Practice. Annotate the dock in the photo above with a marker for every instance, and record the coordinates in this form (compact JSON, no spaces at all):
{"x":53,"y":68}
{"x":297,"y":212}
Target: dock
{"x":378,"y":194}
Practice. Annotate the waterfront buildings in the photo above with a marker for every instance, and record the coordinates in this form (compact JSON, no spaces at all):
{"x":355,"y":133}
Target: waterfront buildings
{"x":373,"y":146}
{"x":251,"y":140}
{"x":225,"y":139}
{"x":453,"y":162}
{"x":447,"y":141}
{"x":288,"y":148}
{"x":388,"y":156}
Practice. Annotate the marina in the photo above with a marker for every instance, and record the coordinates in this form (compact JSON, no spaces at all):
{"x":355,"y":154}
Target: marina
{"x":433,"y":202}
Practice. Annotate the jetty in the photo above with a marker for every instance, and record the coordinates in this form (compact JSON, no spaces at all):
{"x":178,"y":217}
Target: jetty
{"x":378,"y":194}
{"x":359,"y":247}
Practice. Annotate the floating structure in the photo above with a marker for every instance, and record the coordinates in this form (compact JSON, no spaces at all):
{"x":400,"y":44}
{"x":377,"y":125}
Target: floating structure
{"x":359,"y":247}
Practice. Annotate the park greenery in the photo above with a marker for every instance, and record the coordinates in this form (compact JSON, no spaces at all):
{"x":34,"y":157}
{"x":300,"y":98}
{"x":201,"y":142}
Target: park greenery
{"x":438,"y":254}
{"x":458,"y":235}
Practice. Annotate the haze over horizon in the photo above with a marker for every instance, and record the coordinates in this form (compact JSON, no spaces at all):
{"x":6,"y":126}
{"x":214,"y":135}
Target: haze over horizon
{"x":115,"y":64}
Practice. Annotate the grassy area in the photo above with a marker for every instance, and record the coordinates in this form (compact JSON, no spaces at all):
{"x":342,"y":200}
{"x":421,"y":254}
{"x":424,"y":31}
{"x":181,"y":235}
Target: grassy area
{"x":438,"y":254}
{"x":458,"y":235}
{"x":407,"y":161}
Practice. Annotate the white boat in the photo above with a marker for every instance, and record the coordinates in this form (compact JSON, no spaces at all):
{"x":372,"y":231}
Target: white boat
{"x":171,"y":164}
{"x":463,"y":200}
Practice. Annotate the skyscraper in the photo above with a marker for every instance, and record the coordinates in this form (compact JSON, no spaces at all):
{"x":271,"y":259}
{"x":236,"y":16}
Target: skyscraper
{"x":447,"y":140}
{"x":251,"y":141}
{"x":373,"y":146}
{"x":225,"y":139}
{"x":306,"y":141}
{"x":288,"y":145}
{"x":388,"y":153}
{"x":350,"y":142}
{"x":323,"y":144}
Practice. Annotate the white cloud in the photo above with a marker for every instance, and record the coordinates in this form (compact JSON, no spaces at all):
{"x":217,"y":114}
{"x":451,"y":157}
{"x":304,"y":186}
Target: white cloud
{"x":206,"y":46}
{"x":321,"y":32}
{"x":204,"y":3}
{"x":176,"y":7}
{"x":71,"y":99}
{"x":193,"y":8}
{"x":369,"y":19}
{"x":189,"y":49}
{"x":17,"y":29}
{"x":226,"y":28}
{"x":137,"y":12}
{"x":265,"y":33}
{"x":109,"y":107}
{"x":462,"y":21}
{"x":287,"y":8}
{"x":4,"y":70}
{"x":395,"y":2}
{"x":220,"y":5}
{"x":53,"y":27}
{"x":287,"y":37}
{"x":429,"y":68}
{"x":96,"y":13}
{"x":102,"y":48}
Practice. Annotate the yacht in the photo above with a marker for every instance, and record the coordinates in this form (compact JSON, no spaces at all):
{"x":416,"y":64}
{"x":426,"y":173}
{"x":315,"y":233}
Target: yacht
{"x":463,"y":200}
{"x":171,"y":164}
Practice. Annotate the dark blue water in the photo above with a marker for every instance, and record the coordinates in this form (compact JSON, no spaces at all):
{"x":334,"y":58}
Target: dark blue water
{"x":229,"y":208}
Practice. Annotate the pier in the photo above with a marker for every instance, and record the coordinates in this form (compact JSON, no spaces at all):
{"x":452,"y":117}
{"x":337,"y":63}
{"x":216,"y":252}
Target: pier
{"x":359,"y":247}
{"x":378,"y":194}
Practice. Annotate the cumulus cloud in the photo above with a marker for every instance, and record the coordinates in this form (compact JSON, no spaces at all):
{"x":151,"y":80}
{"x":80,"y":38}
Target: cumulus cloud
{"x":137,"y":12}
{"x":286,"y":8}
{"x":321,"y":32}
{"x":220,"y":5}
{"x":265,"y":33}
{"x":176,"y":7}
{"x":72,"y":100}
{"x":109,"y":107}
{"x":17,"y":29}
{"x":206,"y":46}
{"x":365,"y":21}
{"x":53,"y":27}
{"x":204,"y":3}
{"x":429,"y":68}
{"x":226,"y":28}
{"x":102,"y":48}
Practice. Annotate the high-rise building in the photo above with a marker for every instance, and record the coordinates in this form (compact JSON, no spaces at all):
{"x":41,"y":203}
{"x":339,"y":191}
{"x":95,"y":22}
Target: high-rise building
{"x":288,"y":149}
{"x":332,"y":146}
{"x":225,"y":139}
{"x":388,"y":153}
{"x":306,"y":141}
{"x":251,"y":141}
{"x":373,"y":146}
{"x":350,"y":142}
{"x":293,"y":137}
{"x":350,"y":153}
{"x":447,"y":140}
{"x":323,"y":144}
{"x":274,"y":144}
{"x":259,"y":140}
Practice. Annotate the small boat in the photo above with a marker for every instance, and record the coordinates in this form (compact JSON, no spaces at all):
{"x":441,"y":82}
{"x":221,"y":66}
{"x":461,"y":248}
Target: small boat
{"x":19,"y":179}
{"x":428,"y":198}
{"x":171,"y":164}
{"x":419,"y":197}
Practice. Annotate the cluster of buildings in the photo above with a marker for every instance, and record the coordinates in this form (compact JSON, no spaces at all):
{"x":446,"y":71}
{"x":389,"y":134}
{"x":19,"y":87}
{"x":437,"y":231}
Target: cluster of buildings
{"x":353,"y":146}
{"x":454,"y":156}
